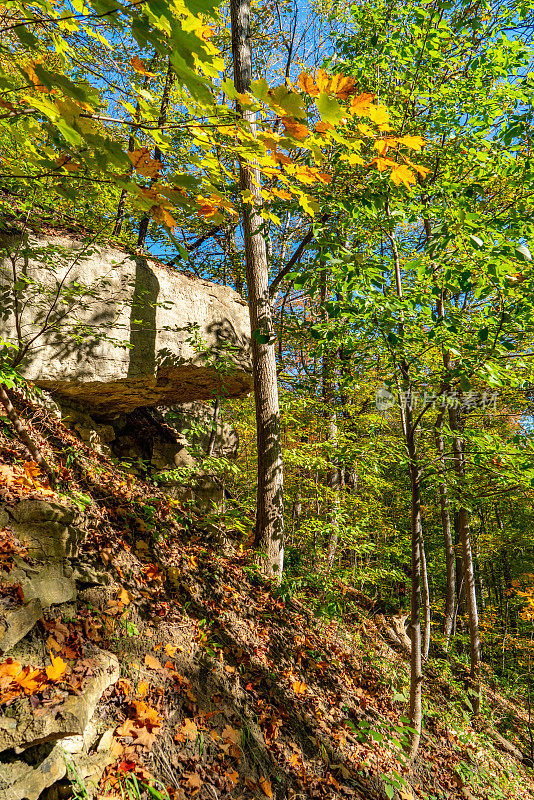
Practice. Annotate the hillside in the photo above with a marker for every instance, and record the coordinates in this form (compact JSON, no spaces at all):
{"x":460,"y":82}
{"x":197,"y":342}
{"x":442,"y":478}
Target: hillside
{"x":227,"y":687}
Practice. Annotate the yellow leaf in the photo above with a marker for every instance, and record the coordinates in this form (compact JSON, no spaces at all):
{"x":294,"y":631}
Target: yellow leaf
{"x":414,"y":142}
{"x":378,"y":114}
{"x":323,"y":81}
{"x":361,"y":104}
{"x":342,"y":86}
{"x":383,"y":145}
{"x":171,"y":649}
{"x":151,"y":662}
{"x":139,"y":66}
{"x":144,"y":164}
{"x":29,"y":69}
{"x":422,"y":171}
{"x":402,"y":174}
{"x":307,"y":84}
{"x":353,"y":159}
{"x":56,"y":669}
{"x":266,"y":787}
{"x":282,"y":194}
{"x":365,"y":130}
{"x":10,"y":668}
{"x":161,"y":215}
{"x":299,"y":687}
{"x":142,"y":689}
{"x":308,"y":203}
{"x":382,"y":163}
{"x":123,"y":596}
{"x":304,"y":174}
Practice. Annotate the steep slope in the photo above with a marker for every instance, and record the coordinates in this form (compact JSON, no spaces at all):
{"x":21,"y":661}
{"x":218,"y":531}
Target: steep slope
{"x":227,"y":687}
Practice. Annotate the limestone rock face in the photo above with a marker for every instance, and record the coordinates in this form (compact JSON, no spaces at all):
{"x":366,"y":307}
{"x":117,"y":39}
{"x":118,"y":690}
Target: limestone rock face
{"x":69,"y":718}
{"x":121,"y":331}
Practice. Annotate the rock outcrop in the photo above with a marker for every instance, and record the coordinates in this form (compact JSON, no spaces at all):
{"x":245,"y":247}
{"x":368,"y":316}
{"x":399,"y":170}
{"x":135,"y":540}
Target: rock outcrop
{"x":116,"y":331}
{"x":38,"y":750}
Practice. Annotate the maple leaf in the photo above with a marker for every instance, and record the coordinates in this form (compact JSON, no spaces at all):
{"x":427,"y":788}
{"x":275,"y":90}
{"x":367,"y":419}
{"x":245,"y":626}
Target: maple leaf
{"x":282,"y":194}
{"x":342,"y":86}
{"x":414,"y":142}
{"x":307,"y":84}
{"x":206,"y":32}
{"x":171,"y":649}
{"x":232,"y":734}
{"x":142,"y":689}
{"x":294,"y":128}
{"x":402,"y":174}
{"x":143,"y":162}
{"x":382,"y":163}
{"x":323,"y":81}
{"x":299,"y":687}
{"x":10,"y":668}
{"x":126,"y":728}
{"x":383,"y":145}
{"x":144,"y":737}
{"x":56,"y":669}
{"x":29,"y":69}
{"x":361,"y":104}
{"x":146,"y":716}
{"x":31,"y":680}
{"x":324,"y":177}
{"x":378,"y":114}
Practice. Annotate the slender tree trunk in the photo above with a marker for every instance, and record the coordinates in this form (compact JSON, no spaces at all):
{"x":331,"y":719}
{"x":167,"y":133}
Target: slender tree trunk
{"x":169,"y":80}
{"x":450,"y":557}
{"x":333,"y":474}
{"x":270,"y":502}
{"x":425,"y":598}
{"x":416,"y":667}
{"x":467,"y":561}
{"x":214,"y":424}
{"x":25,"y":437}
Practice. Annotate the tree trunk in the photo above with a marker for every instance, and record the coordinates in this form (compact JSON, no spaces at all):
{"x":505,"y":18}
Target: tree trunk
{"x":25,"y":437}
{"x":416,"y":668}
{"x":333,"y":479}
{"x":425,"y":597}
{"x":467,"y":561}
{"x":450,"y":557}
{"x":269,"y":502}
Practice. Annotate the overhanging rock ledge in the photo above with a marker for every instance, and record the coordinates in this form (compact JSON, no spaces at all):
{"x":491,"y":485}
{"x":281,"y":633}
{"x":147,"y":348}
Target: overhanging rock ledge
{"x":122,"y":331}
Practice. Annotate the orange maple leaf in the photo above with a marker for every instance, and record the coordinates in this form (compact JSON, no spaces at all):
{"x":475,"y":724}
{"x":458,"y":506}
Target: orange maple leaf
{"x":56,"y":669}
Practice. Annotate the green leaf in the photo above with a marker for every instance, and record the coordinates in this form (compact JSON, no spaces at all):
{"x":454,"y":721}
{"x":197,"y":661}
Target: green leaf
{"x":329,"y":109}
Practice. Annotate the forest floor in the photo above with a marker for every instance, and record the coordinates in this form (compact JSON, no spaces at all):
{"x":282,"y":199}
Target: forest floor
{"x":230,"y":688}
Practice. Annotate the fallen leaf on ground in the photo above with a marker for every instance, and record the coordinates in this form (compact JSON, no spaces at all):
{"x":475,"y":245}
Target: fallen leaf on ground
{"x":151,"y":662}
{"x":266,"y":787}
{"x":56,"y":669}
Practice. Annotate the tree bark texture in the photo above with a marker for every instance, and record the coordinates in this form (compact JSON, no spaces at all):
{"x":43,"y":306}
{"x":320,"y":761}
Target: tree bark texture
{"x":269,"y":502}
{"x":467,"y":562}
{"x":450,"y":557}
